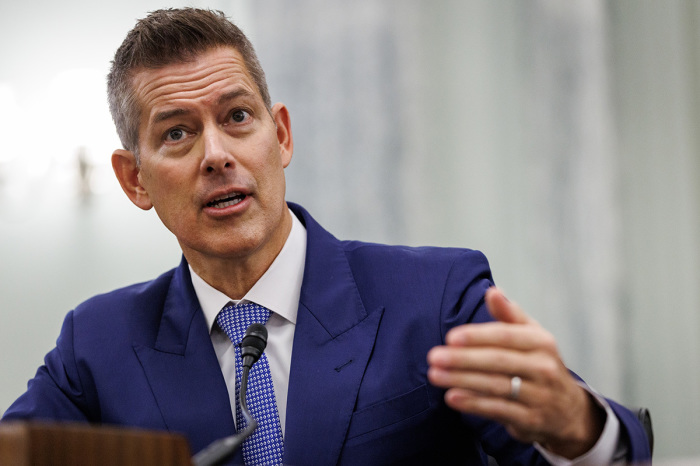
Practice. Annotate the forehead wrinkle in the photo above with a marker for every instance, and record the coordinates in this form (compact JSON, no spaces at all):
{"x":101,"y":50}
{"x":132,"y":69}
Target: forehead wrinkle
{"x":152,"y":84}
{"x":183,"y":86}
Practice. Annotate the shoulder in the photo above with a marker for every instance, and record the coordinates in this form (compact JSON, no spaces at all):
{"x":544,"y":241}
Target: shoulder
{"x":133,"y":293}
{"x":132,"y":309}
{"x":382,"y":265}
{"x":424,"y":259}
{"x":440,"y":276}
{"x":145,"y":294}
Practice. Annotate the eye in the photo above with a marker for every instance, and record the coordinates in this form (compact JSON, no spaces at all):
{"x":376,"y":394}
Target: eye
{"x":239,"y":116}
{"x":175,"y":134}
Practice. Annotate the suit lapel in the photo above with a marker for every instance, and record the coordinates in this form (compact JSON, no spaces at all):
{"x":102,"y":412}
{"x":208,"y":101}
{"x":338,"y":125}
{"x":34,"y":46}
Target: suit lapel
{"x":333,"y":341}
{"x":183,"y":371}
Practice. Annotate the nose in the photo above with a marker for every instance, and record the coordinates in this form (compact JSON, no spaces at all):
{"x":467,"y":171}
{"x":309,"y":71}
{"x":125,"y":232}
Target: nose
{"x":217,"y":156}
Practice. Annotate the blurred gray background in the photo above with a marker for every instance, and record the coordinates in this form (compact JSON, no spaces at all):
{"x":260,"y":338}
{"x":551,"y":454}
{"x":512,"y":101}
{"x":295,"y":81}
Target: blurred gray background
{"x":560,"y":137}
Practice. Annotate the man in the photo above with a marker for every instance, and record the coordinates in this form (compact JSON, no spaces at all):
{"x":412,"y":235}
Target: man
{"x":371,"y":353}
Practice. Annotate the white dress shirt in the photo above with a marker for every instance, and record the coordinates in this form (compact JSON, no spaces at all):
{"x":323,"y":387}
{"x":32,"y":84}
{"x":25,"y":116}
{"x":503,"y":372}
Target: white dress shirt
{"x":278,"y":290}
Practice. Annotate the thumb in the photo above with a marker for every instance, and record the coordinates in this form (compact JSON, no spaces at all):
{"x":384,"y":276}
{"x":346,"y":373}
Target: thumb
{"x":504,"y":310}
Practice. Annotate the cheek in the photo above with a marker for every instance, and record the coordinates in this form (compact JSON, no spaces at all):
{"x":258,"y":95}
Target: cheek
{"x":267,"y":165}
{"x":273,"y":178}
{"x":163,"y":188}
{"x":149,"y":183}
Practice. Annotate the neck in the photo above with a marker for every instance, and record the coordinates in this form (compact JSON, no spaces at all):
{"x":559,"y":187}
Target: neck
{"x":235,"y":276}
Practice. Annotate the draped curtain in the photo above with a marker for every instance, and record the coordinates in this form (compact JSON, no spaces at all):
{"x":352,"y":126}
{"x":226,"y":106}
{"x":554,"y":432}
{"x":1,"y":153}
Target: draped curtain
{"x":558,"y":137}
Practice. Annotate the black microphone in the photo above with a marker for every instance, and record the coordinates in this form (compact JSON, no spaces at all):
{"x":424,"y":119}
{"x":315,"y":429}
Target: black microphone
{"x":252,"y":347}
{"x":253,"y":344}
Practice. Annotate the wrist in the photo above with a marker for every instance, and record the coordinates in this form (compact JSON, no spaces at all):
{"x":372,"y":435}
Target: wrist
{"x":581,"y":437}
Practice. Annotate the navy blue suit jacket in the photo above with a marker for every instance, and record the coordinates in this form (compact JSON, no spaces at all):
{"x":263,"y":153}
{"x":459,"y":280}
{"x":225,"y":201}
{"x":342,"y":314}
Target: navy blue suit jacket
{"x":358,"y":389}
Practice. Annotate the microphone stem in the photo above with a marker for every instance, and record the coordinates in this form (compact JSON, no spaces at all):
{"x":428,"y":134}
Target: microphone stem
{"x":252,"y":423}
{"x":218,"y":451}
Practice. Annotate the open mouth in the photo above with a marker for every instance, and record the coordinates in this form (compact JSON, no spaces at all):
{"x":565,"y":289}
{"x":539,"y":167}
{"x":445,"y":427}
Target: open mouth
{"x":226,"y":200}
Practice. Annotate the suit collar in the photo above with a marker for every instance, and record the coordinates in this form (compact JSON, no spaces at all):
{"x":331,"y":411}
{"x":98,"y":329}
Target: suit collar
{"x":182,"y":368}
{"x":333,"y":341}
{"x":179,"y":310}
{"x":328,"y":280}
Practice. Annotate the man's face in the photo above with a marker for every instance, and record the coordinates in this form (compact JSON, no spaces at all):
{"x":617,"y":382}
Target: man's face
{"x":212,"y":158}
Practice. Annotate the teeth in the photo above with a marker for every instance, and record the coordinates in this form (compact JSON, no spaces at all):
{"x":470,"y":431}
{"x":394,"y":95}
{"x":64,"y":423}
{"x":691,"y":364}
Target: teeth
{"x":225,"y":196}
{"x":226,"y":200}
{"x":228,"y":203}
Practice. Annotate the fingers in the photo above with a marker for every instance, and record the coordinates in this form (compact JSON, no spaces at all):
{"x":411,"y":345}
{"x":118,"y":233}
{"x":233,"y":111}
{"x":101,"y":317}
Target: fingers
{"x":486,"y":395}
{"x":481,"y":384}
{"x":522,"y":422}
{"x":489,"y":360}
{"x":488,"y":372}
{"x":501,"y":335}
{"x":504,"y":310}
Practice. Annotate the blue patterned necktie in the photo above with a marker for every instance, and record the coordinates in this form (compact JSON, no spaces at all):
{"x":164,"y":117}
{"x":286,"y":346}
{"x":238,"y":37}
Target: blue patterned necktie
{"x":264,"y":446}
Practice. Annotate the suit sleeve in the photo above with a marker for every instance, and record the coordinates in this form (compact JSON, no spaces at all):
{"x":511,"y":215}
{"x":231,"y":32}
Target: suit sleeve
{"x":633,"y":434}
{"x":465,"y":287}
{"x":56,"y":392}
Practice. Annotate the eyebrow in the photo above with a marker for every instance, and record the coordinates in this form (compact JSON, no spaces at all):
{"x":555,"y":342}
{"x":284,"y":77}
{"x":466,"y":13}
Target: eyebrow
{"x":162,"y":116}
{"x":234,"y":95}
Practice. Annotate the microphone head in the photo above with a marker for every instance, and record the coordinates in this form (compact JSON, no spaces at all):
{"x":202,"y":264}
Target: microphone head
{"x":253,"y":343}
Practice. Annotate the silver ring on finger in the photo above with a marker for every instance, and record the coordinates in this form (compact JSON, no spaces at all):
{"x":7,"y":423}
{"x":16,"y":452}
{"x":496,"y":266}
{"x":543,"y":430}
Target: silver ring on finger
{"x":515,"y":384}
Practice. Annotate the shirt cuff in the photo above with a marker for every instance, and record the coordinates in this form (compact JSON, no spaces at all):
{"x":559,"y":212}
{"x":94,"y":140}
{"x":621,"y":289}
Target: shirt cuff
{"x":603,"y":452}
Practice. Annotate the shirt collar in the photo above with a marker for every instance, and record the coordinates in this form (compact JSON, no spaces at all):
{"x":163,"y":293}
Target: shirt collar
{"x":278,"y":289}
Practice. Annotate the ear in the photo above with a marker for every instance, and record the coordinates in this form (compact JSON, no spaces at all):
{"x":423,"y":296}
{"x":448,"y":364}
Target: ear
{"x":127,"y":171}
{"x":280,"y":115}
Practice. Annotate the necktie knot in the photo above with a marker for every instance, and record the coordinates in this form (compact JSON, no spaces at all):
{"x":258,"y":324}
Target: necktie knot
{"x":236,"y":318}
